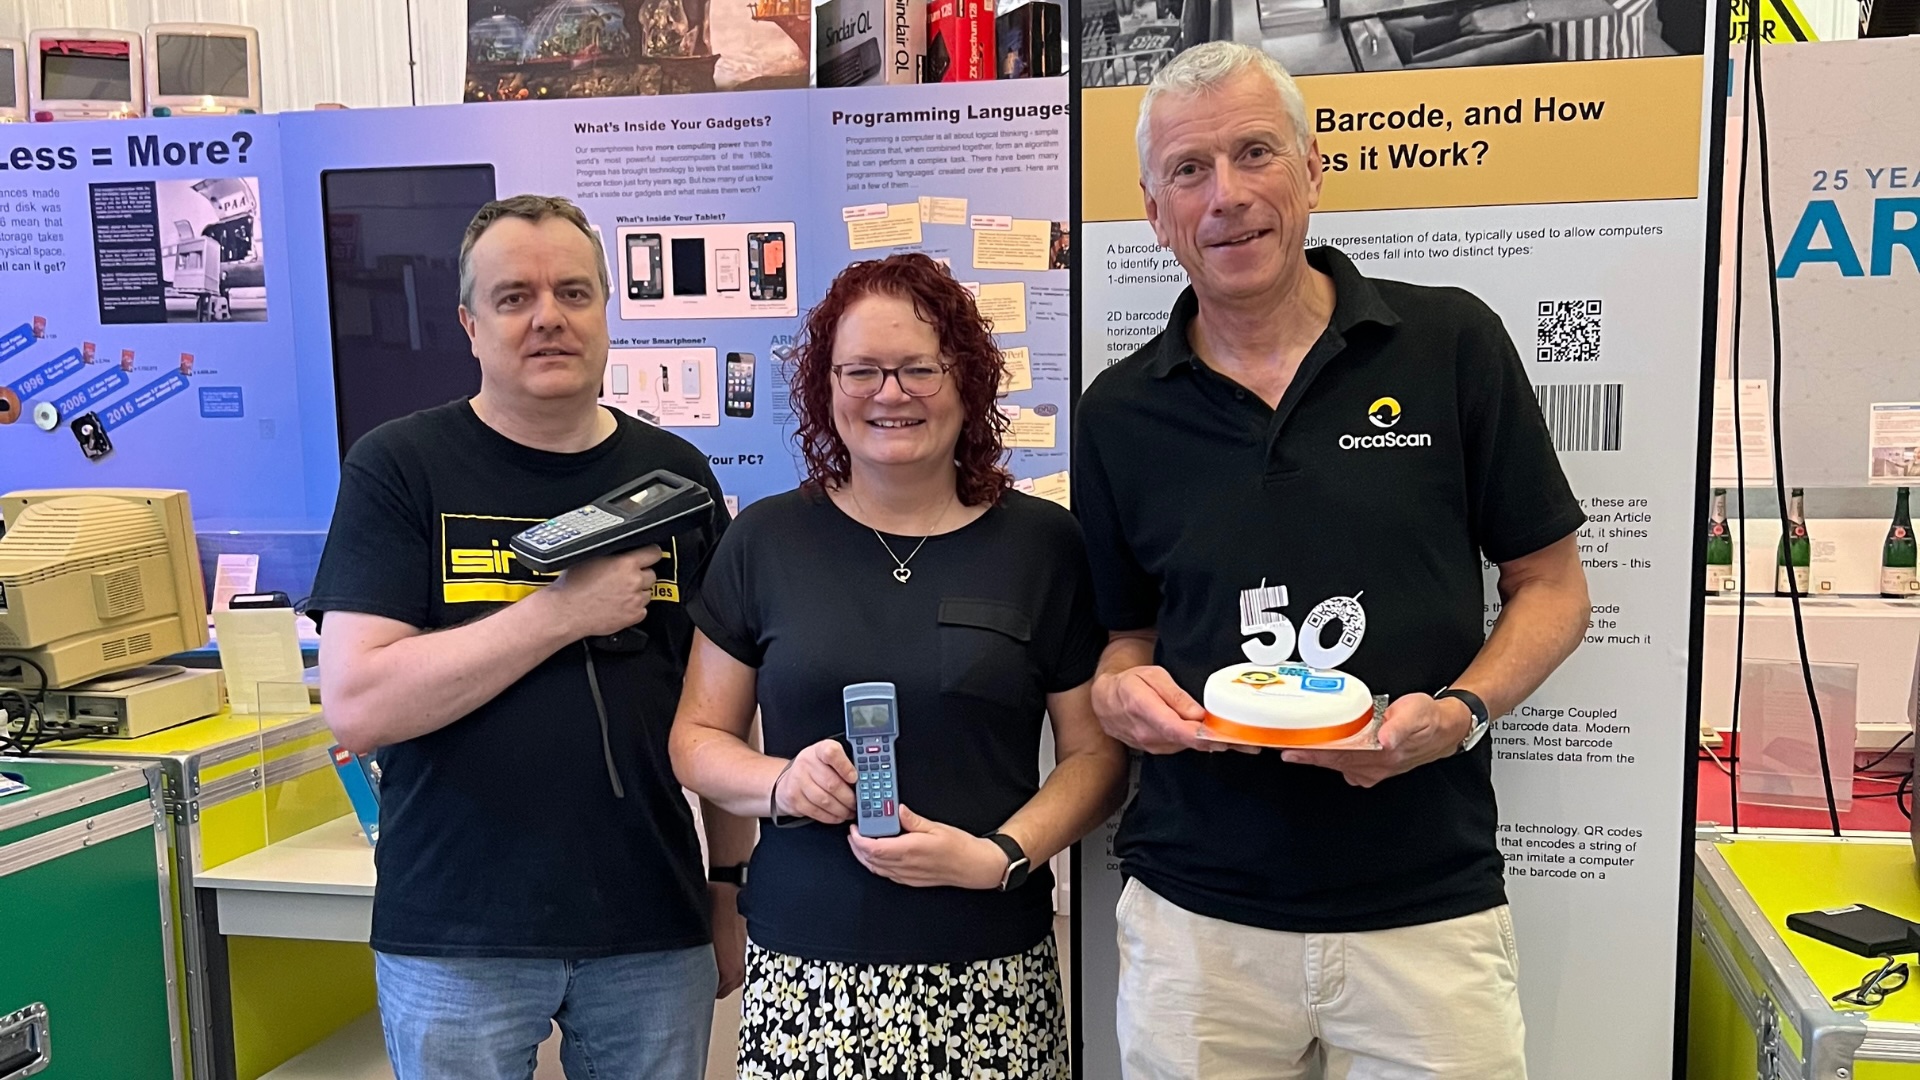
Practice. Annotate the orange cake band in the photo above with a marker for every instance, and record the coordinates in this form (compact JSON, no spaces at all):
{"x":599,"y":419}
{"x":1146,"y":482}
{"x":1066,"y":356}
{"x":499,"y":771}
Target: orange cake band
{"x":1266,"y":736}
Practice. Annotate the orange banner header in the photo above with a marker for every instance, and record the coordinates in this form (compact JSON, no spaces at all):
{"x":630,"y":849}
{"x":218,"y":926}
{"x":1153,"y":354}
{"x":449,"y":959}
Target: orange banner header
{"x":1594,"y":131}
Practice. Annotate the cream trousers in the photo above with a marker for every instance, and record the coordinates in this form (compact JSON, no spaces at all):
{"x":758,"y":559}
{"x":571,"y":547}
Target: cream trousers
{"x":1204,"y":999}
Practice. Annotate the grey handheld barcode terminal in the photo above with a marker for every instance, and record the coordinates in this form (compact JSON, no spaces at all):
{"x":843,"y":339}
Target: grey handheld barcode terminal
{"x":873,"y":722}
{"x":645,"y":511}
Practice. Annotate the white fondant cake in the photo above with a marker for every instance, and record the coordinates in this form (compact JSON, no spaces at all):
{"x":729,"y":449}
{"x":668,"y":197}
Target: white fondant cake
{"x":1286,"y":704}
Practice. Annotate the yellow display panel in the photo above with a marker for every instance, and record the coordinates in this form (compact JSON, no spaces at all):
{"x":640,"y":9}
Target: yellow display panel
{"x":1582,"y":132}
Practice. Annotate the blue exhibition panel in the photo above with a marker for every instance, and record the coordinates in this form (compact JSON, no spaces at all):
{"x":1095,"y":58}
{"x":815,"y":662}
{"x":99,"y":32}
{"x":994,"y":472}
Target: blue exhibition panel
{"x":218,"y":304}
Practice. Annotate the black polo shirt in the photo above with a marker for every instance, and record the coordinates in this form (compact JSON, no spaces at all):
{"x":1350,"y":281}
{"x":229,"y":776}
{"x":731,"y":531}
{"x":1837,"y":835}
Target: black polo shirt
{"x":1408,"y":446}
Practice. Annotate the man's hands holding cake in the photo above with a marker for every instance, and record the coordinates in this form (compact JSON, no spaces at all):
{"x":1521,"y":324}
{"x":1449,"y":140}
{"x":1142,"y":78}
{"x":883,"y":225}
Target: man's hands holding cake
{"x":1139,"y":704}
{"x":1416,"y":730}
{"x":1143,"y":707}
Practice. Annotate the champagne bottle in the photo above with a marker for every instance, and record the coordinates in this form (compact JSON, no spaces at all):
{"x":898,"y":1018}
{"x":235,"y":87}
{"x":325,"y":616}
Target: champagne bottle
{"x":1897,"y":554}
{"x":1719,"y":547}
{"x":1796,"y":550}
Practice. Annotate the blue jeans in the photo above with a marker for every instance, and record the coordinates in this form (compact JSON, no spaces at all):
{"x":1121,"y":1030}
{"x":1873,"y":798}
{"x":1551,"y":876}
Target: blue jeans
{"x":644,"y":1016}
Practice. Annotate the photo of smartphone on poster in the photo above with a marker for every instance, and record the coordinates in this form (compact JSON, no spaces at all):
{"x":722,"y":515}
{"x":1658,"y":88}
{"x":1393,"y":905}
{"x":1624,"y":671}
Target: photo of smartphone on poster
{"x":739,"y":396}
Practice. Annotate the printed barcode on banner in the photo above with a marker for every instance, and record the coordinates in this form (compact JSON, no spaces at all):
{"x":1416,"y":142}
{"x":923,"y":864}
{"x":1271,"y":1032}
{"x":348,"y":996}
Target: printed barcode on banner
{"x":1569,"y":330}
{"x":1581,"y":416}
{"x":1261,"y":606}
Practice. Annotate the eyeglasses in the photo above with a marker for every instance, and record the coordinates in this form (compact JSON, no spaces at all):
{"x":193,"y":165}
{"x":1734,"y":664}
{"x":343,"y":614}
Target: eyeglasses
{"x":920,"y":379}
{"x":1875,"y":987}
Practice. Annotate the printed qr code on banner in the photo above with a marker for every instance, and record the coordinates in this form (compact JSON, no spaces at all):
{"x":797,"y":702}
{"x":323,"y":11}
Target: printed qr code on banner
{"x":1569,"y":331}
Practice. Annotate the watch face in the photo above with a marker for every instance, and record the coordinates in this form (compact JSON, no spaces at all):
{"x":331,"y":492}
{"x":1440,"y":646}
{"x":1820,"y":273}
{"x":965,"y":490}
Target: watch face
{"x":1017,"y":871}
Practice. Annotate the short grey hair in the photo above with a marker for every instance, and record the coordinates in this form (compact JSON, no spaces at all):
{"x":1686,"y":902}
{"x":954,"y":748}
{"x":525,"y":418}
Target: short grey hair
{"x":533,"y":208}
{"x":1208,"y":66}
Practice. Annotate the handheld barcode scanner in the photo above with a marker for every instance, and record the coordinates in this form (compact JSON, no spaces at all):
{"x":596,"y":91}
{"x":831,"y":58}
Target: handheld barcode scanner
{"x":649,"y":510}
{"x":873,"y":723}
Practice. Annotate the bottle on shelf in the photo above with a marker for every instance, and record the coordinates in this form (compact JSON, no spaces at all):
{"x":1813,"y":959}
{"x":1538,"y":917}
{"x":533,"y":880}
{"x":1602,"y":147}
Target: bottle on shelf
{"x":1719,"y":547}
{"x":1795,"y":556}
{"x":1897,"y":554}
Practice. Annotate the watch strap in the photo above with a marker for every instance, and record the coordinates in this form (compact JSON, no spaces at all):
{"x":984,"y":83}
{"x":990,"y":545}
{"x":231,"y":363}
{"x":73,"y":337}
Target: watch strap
{"x":728,"y":875}
{"x":1018,"y":865}
{"x":1481,"y":719}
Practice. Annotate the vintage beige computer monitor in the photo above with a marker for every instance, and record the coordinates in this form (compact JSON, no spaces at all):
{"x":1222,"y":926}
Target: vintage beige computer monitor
{"x":84,"y":74}
{"x":13,"y":81}
{"x":202,"y":69}
{"x":96,"y":581}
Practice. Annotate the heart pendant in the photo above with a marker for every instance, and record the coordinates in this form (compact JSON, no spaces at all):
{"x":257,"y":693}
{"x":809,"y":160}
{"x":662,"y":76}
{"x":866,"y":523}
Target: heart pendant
{"x":901,"y":574}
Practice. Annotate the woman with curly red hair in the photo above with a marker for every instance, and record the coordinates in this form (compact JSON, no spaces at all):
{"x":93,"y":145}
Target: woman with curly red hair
{"x":905,"y":557}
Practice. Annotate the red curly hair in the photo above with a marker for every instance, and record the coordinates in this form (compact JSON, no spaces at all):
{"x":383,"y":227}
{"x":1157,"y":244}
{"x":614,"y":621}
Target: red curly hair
{"x":966,"y":343}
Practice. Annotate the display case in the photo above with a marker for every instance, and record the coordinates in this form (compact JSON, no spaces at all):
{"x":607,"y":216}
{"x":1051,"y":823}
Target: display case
{"x":87,"y":986}
{"x":1761,"y":1003}
{"x":233,"y":785}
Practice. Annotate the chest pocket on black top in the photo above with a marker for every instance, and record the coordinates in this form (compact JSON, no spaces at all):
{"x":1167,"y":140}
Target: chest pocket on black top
{"x":983,"y":651}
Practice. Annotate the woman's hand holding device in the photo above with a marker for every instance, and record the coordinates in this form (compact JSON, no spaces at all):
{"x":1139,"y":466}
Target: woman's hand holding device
{"x":818,"y":784}
{"x":929,"y":853}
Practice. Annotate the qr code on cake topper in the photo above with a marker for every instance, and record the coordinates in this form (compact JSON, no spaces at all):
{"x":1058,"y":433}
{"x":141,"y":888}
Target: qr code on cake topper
{"x":1569,"y":331}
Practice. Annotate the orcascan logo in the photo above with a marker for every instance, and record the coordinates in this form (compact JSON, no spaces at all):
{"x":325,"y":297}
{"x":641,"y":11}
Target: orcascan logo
{"x":1384,"y":413}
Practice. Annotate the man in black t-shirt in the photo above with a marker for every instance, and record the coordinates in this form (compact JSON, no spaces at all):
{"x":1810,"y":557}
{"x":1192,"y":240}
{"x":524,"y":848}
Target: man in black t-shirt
{"x":537,"y":859}
{"x":1311,"y":464}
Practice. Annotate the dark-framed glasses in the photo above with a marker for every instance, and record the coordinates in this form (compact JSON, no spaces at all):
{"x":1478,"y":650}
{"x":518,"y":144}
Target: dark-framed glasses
{"x":922,"y":378}
{"x":1874,"y":989}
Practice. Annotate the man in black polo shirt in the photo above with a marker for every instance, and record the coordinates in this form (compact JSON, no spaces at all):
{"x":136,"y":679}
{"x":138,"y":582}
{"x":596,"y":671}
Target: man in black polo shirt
{"x":1300,"y":433}
{"x":537,"y":859}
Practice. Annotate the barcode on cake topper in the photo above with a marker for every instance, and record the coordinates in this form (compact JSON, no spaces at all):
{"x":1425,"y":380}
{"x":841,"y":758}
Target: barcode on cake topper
{"x":1260,"y":608}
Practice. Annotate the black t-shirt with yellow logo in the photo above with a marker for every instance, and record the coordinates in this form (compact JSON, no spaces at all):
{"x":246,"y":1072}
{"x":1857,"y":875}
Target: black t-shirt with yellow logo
{"x":500,"y":833}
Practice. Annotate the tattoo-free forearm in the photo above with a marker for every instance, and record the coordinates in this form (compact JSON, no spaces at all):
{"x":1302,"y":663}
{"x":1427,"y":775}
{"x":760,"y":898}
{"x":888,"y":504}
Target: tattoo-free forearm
{"x":1125,"y":650}
{"x":1543,"y":617}
{"x":730,"y":837}
{"x":724,"y":770}
{"x":384,"y":683}
{"x":1083,"y":790}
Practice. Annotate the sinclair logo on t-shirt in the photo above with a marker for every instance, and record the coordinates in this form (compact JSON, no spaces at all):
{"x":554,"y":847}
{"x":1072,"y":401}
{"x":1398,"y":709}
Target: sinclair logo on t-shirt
{"x":478,"y":567}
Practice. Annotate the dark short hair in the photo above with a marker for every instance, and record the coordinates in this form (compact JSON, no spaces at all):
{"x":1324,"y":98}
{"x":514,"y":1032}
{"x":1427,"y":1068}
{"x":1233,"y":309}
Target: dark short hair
{"x":966,"y":343}
{"x":533,"y":208}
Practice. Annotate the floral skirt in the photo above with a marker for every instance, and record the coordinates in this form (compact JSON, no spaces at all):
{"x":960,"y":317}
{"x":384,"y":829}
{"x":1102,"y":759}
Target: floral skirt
{"x":988,"y":1020}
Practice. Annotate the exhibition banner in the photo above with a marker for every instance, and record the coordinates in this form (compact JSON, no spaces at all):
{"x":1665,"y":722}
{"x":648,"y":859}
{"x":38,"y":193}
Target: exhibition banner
{"x":1571,"y":198}
{"x":222,"y":306}
{"x":149,"y":336}
{"x":725,"y":217}
{"x":1844,"y":152}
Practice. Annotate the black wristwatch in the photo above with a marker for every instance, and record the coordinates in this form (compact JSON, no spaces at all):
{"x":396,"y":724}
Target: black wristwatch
{"x":1018,"y":866}
{"x":1481,"y":721}
{"x":728,"y":875}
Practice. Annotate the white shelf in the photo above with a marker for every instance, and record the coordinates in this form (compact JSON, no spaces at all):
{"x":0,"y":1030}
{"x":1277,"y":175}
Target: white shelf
{"x":1880,"y":636}
{"x":316,"y":886}
{"x":355,"y":1052}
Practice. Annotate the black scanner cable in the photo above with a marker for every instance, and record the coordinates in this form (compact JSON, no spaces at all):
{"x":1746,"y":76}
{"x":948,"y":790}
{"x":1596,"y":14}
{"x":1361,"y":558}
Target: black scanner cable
{"x":1754,"y":54}
{"x":606,"y":736}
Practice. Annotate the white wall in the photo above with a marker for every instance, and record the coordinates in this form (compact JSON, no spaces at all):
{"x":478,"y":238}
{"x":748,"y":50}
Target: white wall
{"x":353,"y":52}
{"x":349,"y":51}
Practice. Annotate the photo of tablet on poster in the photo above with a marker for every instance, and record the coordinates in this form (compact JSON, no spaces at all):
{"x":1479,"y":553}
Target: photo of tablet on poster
{"x":698,"y":271}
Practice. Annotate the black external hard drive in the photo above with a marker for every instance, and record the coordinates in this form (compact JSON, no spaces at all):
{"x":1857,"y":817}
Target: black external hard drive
{"x":1859,"y":929}
{"x":92,"y":435}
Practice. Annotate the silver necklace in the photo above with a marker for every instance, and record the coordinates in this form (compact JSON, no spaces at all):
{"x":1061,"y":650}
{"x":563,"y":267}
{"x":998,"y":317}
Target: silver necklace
{"x":900,"y":572}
